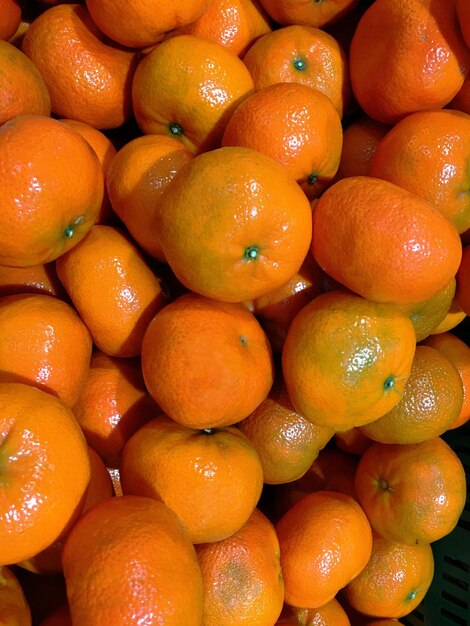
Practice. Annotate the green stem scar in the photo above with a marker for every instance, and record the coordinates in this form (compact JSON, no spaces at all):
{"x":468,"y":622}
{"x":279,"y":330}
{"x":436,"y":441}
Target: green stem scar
{"x":383,"y":485}
{"x":175,"y":129}
{"x":243,"y":340}
{"x":251,"y":253}
{"x":312,"y":179}
{"x":207,"y":431}
{"x":412,"y":595}
{"x":69,"y":231}
{"x":299,"y":64}
{"x":389,"y":382}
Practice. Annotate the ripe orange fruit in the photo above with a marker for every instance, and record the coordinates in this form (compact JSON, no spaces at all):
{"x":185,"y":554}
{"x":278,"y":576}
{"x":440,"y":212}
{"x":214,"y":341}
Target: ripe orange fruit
{"x":294,"y":124}
{"x":462,"y":292}
{"x":194,"y":100}
{"x":346,"y":359}
{"x":113,"y":404}
{"x":105,"y":151}
{"x":233,"y":224}
{"x":89,"y":79}
{"x":330,"y":614}
{"x":301,"y":54}
{"x":463,"y":15}
{"x":406,"y":56}
{"x":287,"y":443}
{"x":461,"y":101}
{"x":141,"y":562}
{"x":44,"y":344}
{"x":40,"y":278}
{"x":412,"y":493}
{"x":198,"y":387}
{"x":352,"y":440}
{"x":234,"y":24}
{"x":458,"y":353}
{"x":37,"y":430}
{"x":311,"y":13}
{"x":427,"y":153}
{"x":136,"y":24}
{"x":404,"y":249}
{"x":23,"y":88}
{"x":59,"y":617}
{"x":11,"y":11}
{"x":325,"y":541}
{"x":14,"y":607}
{"x":454,"y":316}
{"x":242,"y":577}
{"x":211,"y":478}
{"x":431,"y":402}
{"x":394,"y":581}
{"x":113,"y":289}
{"x":136,"y":179}
{"x":50,"y":201}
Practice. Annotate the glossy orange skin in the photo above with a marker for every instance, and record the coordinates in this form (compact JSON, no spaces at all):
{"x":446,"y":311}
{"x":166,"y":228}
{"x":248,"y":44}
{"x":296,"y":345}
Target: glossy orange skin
{"x":346,"y":360}
{"x":211,"y":479}
{"x":141,"y":561}
{"x":194,"y":100}
{"x":11,"y":11}
{"x":325,"y":541}
{"x":136,"y":180}
{"x":461,"y":101}
{"x":412,"y":493}
{"x":458,"y":352}
{"x":286,"y":442}
{"x":113,"y":404}
{"x":14,"y":607}
{"x":428,"y":153}
{"x":60,"y":185}
{"x":137,"y":24}
{"x":104,"y":277}
{"x":404,"y":250}
{"x":40,"y":278}
{"x":41,"y":439}
{"x":45,"y":344}
{"x":88,"y":79}
{"x":234,"y":24}
{"x":462,"y":293}
{"x":419,"y":58}
{"x":301,"y":54}
{"x":255,"y":241}
{"x":203,"y":388}
{"x":394,"y":581}
{"x":330,"y":614}
{"x":242,"y":576}
{"x":311,"y":13}
{"x":24,"y":90}
{"x":295,"y":125}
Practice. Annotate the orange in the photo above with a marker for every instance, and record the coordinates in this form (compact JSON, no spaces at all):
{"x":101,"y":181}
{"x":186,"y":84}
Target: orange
{"x":23,"y":88}
{"x":453,"y":318}
{"x":330,"y":614}
{"x":194,"y":99}
{"x":346,"y":359}
{"x":136,"y":23}
{"x":412,"y":493}
{"x":463,"y":15}
{"x":458,"y":353}
{"x":40,"y":278}
{"x":233,"y":224}
{"x":88,"y":78}
{"x":212,"y":478}
{"x":113,"y":289}
{"x":59,"y":617}
{"x":137,"y":177}
{"x":301,"y":54}
{"x":51,"y":186}
{"x":201,"y":387}
{"x":277,"y":309}
{"x":360,"y":140}
{"x":287,"y":443}
{"x":242,"y":577}
{"x":142,"y":564}
{"x":100,"y":487}
{"x":461,"y":101}
{"x":462,"y":293}
{"x":113,"y":404}
{"x":44,"y":344}
{"x":325,"y":541}
{"x":352,"y":440}
{"x":404,"y":249}
{"x":37,"y":430}
{"x":394,"y":581}
{"x":311,"y":13}
{"x":431,"y":402}
{"x":105,"y":151}
{"x":234,"y":24}
{"x":294,"y":124}
{"x":14,"y":607}
{"x":407,"y":56}
{"x":428,"y":153}
{"x":11,"y":11}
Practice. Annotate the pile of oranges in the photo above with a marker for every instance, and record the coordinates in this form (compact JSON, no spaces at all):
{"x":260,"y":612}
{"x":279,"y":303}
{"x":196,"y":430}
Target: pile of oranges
{"x":234,"y":274}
